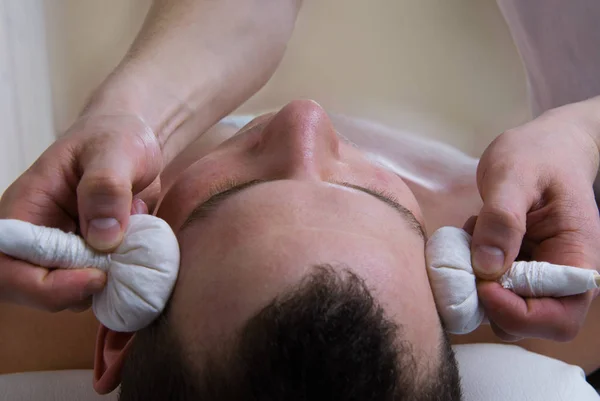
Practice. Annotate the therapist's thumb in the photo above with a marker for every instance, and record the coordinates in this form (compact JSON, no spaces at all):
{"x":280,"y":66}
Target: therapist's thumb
{"x":111,"y":171}
{"x":104,"y":197}
{"x":112,"y":158}
{"x":500,"y":225}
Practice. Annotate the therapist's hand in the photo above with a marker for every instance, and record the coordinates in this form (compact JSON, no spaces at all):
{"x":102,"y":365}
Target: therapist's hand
{"x":83,"y":183}
{"x":86,"y":180}
{"x":538,"y":204}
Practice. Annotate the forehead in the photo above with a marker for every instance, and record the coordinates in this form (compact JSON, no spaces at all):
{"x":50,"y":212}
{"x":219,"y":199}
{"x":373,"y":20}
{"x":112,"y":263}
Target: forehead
{"x":268,"y":237}
{"x":276,"y":232}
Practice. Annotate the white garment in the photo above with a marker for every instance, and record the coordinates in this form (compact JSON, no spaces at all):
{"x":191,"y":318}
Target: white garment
{"x":141,"y":272}
{"x":448,"y":256}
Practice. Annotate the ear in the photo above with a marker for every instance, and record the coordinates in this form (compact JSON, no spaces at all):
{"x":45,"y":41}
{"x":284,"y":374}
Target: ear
{"x":111,"y":349}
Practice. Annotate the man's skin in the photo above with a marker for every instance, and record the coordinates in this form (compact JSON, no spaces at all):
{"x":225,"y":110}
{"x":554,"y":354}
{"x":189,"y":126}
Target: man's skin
{"x":32,"y":340}
{"x":148,"y":87}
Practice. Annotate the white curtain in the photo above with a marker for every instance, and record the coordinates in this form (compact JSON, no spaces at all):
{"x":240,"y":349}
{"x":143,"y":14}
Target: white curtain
{"x":26,"y":126}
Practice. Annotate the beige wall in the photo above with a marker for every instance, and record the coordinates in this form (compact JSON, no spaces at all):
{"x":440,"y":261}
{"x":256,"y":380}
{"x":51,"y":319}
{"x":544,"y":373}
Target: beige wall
{"x":86,"y":39}
{"x":446,"y":69}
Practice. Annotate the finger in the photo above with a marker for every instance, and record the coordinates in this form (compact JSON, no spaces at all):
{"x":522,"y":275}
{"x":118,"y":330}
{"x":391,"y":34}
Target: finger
{"x":52,"y":290}
{"x":138,"y":206}
{"x":30,"y":198}
{"x":503,"y":335}
{"x":112,"y":169}
{"x":557,"y":319}
{"x":469,"y":225}
{"x":501,"y":223}
{"x":567,"y":230}
{"x":82,"y":306}
{"x":104,"y":202}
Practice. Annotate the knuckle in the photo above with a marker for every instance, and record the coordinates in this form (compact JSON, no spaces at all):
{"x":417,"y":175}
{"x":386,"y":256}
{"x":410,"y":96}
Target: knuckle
{"x":512,"y":329}
{"x":566,"y":332}
{"x":508,"y":317}
{"x":19,"y":189}
{"x":506,"y":321}
{"x":52,"y":305}
{"x":569,"y":327}
{"x":500,"y":333}
{"x":101,"y":140}
{"x":496,"y":215}
{"x":500,"y":149}
{"x":147,"y":144}
{"x":504,"y":160}
{"x":103,"y":182}
{"x":46,"y":295}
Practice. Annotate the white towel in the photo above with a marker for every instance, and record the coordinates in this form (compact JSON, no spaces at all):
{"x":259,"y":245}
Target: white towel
{"x":141,"y":272}
{"x":448,"y":256}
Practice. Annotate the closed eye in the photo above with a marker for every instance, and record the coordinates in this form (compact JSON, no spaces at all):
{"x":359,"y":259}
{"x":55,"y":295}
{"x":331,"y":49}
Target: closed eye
{"x":229,"y":187}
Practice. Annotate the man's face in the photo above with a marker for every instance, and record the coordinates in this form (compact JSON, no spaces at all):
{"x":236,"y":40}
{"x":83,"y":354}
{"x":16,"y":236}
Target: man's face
{"x":285,"y":194}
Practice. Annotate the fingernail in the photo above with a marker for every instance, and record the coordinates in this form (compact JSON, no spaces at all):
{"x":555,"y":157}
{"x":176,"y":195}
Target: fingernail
{"x":104,"y":234}
{"x":488,"y":260}
{"x":139,"y":207}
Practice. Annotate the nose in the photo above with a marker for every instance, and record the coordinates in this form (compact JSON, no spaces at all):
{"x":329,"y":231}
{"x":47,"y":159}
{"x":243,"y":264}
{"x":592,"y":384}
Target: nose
{"x":300,"y":141}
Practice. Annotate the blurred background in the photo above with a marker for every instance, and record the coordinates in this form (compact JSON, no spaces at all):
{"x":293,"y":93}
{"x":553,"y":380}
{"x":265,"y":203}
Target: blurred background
{"x":438,"y":68}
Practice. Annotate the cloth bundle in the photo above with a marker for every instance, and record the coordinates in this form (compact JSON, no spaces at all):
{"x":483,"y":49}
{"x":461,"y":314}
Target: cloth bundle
{"x":141,"y":272}
{"x":448,"y":257}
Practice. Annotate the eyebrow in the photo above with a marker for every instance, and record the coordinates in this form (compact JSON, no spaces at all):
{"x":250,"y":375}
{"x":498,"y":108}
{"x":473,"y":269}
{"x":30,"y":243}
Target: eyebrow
{"x":207,"y":207}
